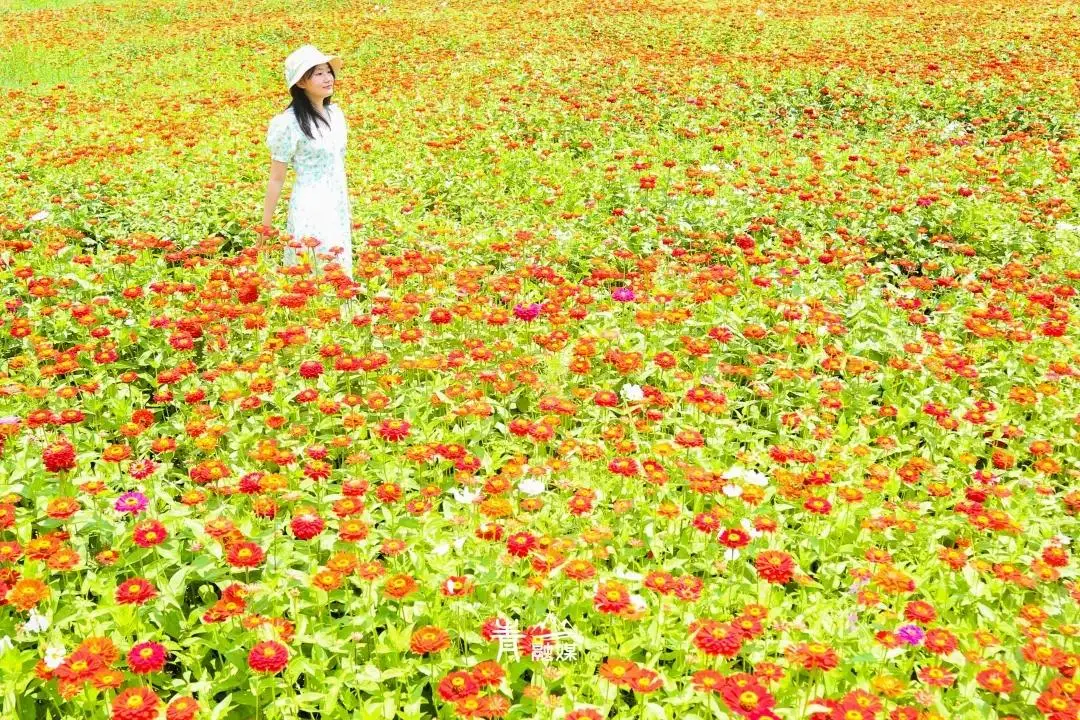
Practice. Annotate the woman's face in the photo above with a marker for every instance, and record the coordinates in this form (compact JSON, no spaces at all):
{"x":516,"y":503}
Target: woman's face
{"x":320,"y":83}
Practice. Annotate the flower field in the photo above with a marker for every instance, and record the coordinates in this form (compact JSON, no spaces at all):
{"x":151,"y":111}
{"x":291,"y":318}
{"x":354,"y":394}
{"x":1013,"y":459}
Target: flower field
{"x":709,"y":359}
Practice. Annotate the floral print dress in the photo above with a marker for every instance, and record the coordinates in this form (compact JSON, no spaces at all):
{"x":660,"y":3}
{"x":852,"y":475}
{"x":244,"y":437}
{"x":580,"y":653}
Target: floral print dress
{"x":319,"y":205}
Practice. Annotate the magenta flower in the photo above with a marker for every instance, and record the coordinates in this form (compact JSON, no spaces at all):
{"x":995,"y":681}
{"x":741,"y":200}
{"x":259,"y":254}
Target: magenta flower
{"x":910,"y":634}
{"x":131,"y":502}
{"x":623,"y":294}
{"x":528,"y":313}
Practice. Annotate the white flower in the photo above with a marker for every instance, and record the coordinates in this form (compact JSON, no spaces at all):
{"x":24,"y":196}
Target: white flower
{"x":748,"y":526}
{"x":1063,"y":539}
{"x":532,"y":486}
{"x":40,"y":216}
{"x":755,"y":478}
{"x":440,"y":549}
{"x":732,"y":490}
{"x":953,"y":129}
{"x":6,"y":644}
{"x":465,"y":496}
{"x":54,"y":657}
{"x":735,"y":472}
{"x":632,"y":393}
{"x":37,"y":622}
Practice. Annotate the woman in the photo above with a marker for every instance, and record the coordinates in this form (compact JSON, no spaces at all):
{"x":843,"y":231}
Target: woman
{"x":310,"y":134}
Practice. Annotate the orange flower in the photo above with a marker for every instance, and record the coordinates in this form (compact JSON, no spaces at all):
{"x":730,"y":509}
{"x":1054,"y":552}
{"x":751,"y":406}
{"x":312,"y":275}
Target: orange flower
{"x":27,"y":593}
{"x":429,"y":639}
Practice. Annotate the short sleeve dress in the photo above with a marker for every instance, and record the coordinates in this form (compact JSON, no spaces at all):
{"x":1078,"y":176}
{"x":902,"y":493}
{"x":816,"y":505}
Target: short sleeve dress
{"x":319,"y":205}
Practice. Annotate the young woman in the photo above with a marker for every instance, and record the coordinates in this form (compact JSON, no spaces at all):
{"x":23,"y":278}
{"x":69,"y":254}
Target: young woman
{"x":310,"y":134}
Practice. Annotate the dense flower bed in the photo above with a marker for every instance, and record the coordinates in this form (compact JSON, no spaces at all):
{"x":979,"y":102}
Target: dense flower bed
{"x":702,"y":360}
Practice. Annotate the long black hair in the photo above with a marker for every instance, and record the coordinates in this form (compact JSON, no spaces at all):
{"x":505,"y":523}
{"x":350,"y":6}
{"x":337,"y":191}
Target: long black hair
{"x":305,"y":113}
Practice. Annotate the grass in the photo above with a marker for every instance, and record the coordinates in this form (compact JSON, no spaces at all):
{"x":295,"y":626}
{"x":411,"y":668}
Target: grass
{"x":26,"y":65}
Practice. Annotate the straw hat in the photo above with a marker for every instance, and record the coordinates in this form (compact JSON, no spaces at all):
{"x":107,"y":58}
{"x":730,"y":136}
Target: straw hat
{"x":303,"y":59}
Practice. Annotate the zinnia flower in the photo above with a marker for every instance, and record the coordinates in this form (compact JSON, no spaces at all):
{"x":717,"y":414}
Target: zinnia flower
{"x":910,"y":634}
{"x":611,"y":597}
{"x":307,"y":525}
{"x":147,"y":657}
{"x":245,"y":555}
{"x":59,"y":456}
{"x":149,"y":533}
{"x":135,"y":591}
{"x":182,"y":708}
{"x":268,"y":657}
{"x":131,"y":502}
{"x":457,"y":685}
{"x":27,"y":592}
{"x":393,"y":430}
{"x":138,"y":703}
{"x":429,"y":639}
{"x":775,"y":566}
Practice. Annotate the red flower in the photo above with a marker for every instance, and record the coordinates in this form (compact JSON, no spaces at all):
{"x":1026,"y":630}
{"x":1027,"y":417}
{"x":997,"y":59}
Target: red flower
{"x":181,"y":340}
{"x":775,"y":566}
{"x":393,"y":430}
{"x":456,"y":586}
{"x":611,"y":597}
{"x":627,"y":467}
{"x":818,"y":505}
{"x":995,"y":679}
{"x":520,"y":544}
{"x":936,"y":676}
{"x":311,"y":369}
{"x":59,"y":456}
{"x":920,"y":611}
{"x":714,"y":638}
{"x":707,"y":681}
{"x":149,"y":533}
{"x":813,"y":656}
{"x":744,"y":695}
{"x":689,"y":438}
{"x":645,"y":681}
{"x":734,"y":538}
{"x":606,"y":398}
{"x":268,"y":657}
{"x":136,"y":704}
{"x":245,"y":555}
{"x":307,"y":525}
{"x":147,"y":657}
{"x":457,"y":686}
{"x":440,"y":316}
{"x":940,"y":641}
{"x":79,"y":667}
{"x":135,"y":591}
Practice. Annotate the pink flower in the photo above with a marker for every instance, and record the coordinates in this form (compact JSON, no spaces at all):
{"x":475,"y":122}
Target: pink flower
{"x":528,"y":313}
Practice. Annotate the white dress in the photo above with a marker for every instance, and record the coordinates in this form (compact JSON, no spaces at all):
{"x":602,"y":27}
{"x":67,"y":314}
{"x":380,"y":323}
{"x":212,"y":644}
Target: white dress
{"x":319,"y":205}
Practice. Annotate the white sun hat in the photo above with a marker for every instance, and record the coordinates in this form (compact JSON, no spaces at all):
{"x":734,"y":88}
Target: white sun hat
{"x":303,"y":59}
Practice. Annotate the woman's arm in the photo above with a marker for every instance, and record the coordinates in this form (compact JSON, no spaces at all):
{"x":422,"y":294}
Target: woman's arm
{"x":273,"y":191}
